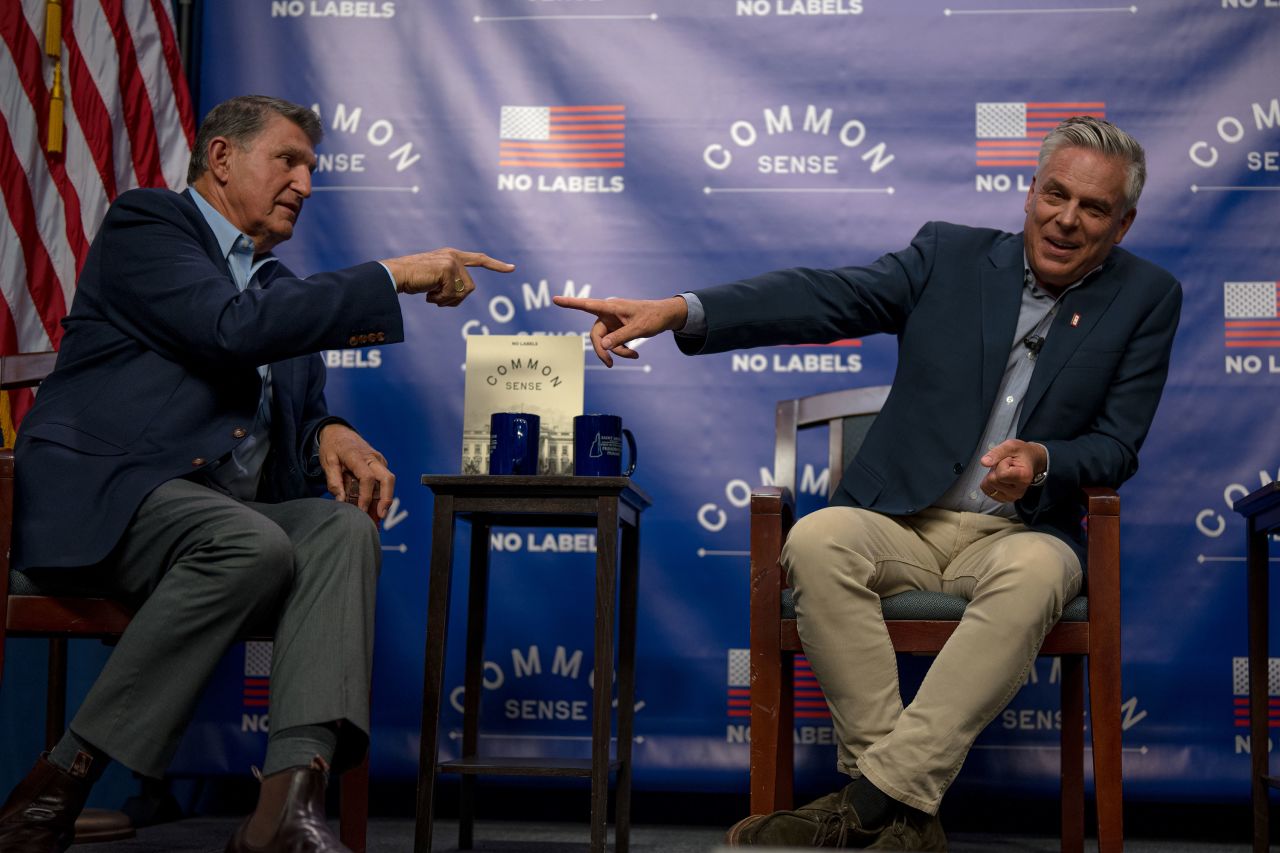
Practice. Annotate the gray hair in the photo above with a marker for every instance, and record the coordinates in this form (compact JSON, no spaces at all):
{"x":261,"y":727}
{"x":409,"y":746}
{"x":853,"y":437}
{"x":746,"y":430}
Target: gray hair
{"x":1104,"y":137}
{"x":240,"y":120}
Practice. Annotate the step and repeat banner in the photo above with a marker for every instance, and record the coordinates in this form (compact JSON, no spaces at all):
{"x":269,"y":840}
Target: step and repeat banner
{"x":639,"y":148}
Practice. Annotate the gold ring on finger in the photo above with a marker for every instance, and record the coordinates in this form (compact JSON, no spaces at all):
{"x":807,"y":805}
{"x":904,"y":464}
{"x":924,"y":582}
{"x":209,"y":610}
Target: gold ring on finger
{"x":459,"y":285}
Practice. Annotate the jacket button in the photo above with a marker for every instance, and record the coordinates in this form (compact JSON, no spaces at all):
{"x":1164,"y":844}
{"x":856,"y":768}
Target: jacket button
{"x":198,"y":461}
{"x":957,"y":468}
{"x":239,"y":432}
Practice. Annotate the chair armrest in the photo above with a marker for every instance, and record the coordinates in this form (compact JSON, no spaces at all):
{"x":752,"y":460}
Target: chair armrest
{"x":773,"y":511}
{"x":1102,"y":501}
{"x":772,"y":514}
{"x":1103,"y":507}
{"x":772,"y":499}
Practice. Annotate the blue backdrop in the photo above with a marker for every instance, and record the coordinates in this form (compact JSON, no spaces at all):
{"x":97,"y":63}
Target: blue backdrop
{"x":740,"y":136}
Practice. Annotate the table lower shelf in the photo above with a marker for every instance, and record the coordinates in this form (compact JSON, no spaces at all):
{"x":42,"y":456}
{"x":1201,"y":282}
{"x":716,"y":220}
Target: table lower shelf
{"x":503,"y":766}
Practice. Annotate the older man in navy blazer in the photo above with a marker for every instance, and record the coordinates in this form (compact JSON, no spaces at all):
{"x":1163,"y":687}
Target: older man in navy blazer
{"x":1029,"y":365}
{"x":172,"y":459}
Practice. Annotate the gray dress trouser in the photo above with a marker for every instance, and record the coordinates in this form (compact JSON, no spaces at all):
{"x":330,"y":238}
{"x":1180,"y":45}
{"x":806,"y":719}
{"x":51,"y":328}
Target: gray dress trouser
{"x":206,"y":569}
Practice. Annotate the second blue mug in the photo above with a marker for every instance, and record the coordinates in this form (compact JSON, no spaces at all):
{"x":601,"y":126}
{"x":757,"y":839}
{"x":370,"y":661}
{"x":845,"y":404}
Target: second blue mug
{"x":597,"y":446}
{"x":513,"y":443}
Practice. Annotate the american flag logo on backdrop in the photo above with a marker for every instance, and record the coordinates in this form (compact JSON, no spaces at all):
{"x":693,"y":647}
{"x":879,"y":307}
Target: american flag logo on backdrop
{"x":810,"y":702}
{"x":1240,"y":689}
{"x":93,"y":102}
{"x":257,"y":674}
{"x":1251,"y":312}
{"x":582,"y":137}
{"x":1009,"y":135}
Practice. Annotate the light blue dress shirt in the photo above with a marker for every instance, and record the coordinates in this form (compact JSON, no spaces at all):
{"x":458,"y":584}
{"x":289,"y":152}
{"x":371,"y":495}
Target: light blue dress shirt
{"x":238,"y":474}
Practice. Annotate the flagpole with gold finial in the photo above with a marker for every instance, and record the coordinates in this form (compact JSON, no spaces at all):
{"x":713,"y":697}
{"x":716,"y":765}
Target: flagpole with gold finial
{"x":53,"y":48}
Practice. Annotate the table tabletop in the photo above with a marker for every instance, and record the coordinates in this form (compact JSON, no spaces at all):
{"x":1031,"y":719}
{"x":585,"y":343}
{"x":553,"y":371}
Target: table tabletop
{"x":1262,"y":504}
{"x":524,"y":492}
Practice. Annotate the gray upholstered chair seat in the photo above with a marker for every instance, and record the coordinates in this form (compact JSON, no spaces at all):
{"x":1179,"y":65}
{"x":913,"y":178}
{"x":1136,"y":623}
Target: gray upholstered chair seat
{"x":21,"y":583}
{"x":923,"y":604}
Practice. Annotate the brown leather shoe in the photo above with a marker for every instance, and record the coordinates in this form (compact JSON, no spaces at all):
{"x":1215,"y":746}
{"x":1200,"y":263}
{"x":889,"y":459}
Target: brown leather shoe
{"x":912,"y":830}
{"x":302,"y":827}
{"x":829,"y":821}
{"x":40,"y":814}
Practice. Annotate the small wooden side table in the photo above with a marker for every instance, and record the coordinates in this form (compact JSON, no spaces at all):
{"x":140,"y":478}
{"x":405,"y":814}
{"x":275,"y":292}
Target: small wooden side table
{"x":610,"y":505}
{"x":1261,"y":511}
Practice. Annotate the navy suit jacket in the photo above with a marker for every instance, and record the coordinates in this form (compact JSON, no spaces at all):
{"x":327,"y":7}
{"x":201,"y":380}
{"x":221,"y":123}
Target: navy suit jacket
{"x":156,"y":377}
{"x":952,"y":298}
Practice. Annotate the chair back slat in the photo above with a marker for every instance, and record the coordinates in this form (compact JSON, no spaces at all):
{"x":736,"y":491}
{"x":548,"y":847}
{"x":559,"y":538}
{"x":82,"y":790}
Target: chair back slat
{"x":847,"y":415}
{"x":25,"y":369}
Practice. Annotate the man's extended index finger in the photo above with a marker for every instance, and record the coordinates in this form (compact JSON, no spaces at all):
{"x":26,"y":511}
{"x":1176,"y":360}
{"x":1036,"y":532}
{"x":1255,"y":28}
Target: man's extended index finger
{"x":480,"y":259}
{"x":594,"y":306}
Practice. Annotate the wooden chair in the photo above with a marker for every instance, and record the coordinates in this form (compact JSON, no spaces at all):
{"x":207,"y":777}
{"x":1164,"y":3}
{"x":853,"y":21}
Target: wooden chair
{"x":28,"y":612}
{"x":921,"y":622}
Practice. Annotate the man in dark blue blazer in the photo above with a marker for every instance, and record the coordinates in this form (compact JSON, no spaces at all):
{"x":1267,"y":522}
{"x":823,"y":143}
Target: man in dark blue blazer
{"x":1029,"y":365}
{"x":174,"y":459}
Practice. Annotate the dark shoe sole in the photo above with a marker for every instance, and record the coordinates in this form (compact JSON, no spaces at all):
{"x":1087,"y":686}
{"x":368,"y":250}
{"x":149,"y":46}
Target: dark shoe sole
{"x":733,"y":837}
{"x":103,"y":825}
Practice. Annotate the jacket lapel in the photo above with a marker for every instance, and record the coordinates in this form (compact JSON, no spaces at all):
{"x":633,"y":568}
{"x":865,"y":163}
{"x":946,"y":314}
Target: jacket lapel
{"x":207,"y":237}
{"x":1001,"y":293}
{"x":1080,"y":311}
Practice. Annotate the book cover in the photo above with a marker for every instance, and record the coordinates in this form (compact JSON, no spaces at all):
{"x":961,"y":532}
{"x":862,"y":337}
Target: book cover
{"x":536,"y":374}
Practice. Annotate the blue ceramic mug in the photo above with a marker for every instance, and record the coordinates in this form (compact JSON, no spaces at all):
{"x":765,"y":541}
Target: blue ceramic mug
{"x":597,"y":446}
{"x":513,"y":443}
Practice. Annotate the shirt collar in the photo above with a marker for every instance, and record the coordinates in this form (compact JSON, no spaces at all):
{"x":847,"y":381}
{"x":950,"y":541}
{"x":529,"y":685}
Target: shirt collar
{"x":236,"y":246}
{"x":1029,"y":279}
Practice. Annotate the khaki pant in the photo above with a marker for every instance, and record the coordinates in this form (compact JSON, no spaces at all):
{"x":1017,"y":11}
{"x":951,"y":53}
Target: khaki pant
{"x":842,"y":560}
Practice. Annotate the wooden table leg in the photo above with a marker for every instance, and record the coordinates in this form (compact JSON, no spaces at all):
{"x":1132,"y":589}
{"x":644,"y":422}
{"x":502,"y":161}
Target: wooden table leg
{"x":1072,"y":753}
{"x":433,"y":680}
{"x":626,"y":682}
{"x":1259,"y":683}
{"x":477,"y":611}
{"x":602,"y":693}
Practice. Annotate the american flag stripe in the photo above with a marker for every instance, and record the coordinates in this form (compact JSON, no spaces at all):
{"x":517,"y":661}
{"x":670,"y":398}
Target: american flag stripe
{"x":568,"y":137}
{"x":810,"y":702}
{"x":28,"y":134}
{"x":1257,"y":328}
{"x":168,"y":88}
{"x":128,"y":121}
{"x":257,"y":692}
{"x":36,"y":308}
{"x":1241,"y":712}
{"x":138,"y":119}
{"x":1040,"y":117}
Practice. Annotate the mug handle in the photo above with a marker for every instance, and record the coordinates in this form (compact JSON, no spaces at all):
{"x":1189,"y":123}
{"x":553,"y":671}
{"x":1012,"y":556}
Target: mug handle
{"x":631,"y":445}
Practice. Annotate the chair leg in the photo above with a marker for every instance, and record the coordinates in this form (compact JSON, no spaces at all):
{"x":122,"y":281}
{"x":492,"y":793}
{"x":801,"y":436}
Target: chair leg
{"x":772,"y":724}
{"x":1072,"y":753}
{"x":55,"y":706}
{"x":354,"y":806}
{"x":1104,"y":713}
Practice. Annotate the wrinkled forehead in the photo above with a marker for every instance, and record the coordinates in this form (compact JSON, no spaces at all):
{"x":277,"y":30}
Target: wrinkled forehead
{"x":280,"y":136}
{"x":1086,"y":170}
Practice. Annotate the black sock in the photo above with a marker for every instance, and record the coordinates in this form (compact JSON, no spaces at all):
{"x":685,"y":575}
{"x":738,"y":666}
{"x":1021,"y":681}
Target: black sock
{"x":874,"y":807}
{"x":78,"y":757}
